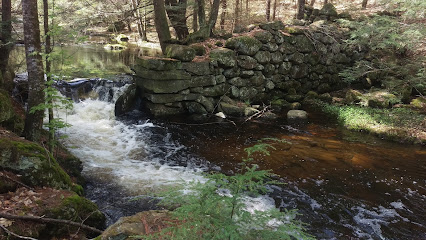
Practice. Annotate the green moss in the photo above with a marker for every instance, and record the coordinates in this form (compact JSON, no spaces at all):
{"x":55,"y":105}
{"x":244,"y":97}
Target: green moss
{"x":75,"y":208}
{"x":6,"y":108}
{"x":36,"y":165}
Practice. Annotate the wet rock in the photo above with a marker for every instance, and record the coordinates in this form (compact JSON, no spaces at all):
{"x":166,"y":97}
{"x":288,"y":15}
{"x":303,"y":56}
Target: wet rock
{"x":297,"y":115}
{"x":180,"y":52}
{"x":237,"y":109}
{"x":194,"y":107}
{"x":244,"y":45}
{"x":126,"y":101}
{"x":161,"y":110}
{"x":225,"y":57}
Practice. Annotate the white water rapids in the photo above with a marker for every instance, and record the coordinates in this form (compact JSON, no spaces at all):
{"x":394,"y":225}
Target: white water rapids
{"x":122,"y":154}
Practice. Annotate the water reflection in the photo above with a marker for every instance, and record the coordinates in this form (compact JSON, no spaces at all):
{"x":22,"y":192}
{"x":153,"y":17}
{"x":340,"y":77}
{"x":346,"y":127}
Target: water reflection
{"x":86,"y":61}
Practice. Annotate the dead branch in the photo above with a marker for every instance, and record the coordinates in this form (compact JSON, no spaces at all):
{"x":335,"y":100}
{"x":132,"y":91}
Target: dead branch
{"x":15,"y":181}
{"x":14,"y":234}
{"x":50,"y":220}
{"x":258,"y":114}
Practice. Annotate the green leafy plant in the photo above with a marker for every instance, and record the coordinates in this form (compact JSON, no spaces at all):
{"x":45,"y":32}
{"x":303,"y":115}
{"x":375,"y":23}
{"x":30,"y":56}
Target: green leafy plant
{"x":217,"y":209}
{"x":54,"y":101}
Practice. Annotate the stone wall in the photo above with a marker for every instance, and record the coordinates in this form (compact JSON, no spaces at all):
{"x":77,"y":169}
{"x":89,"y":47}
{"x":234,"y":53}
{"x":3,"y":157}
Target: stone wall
{"x":268,"y":64}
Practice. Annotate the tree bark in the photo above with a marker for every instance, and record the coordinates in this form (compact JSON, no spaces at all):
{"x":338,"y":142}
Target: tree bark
{"x":137,"y":14}
{"x":274,"y":10}
{"x":325,"y":2}
{"x":237,"y":13}
{"x":364,"y":4}
{"x":201,"y":12}
{"x":214,"y":13}
{"x":300,"y":9}
{"x":223,"y":15}
{"x":312,"y":3}
{"x":176,"y":10}
{"x":268,"y":10}
{"x":33,"y":120}
{"x":195,"y":17}
{"x":161,"y":24}
{"x":6,"y":44}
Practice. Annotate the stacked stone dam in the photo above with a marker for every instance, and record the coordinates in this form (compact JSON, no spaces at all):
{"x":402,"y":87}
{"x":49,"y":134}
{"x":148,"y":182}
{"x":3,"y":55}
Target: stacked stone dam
{"x":270,"y":62}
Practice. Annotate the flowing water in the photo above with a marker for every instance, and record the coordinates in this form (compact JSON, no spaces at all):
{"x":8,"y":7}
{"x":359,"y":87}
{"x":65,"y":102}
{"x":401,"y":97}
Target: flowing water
{"x":347,"y":185}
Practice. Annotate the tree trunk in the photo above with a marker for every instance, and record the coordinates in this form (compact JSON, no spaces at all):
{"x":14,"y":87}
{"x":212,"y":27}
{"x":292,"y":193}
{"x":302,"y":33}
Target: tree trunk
{"x":214,"y":12}
{"x":312,"y":3}
{"x":137,"y":15}
{"x":223,"y":15}
{"x":6,"y":44}
{"x":176,"y":10}
{"x":268,"y":10}
{"x":325,"y":2}
{"x":47,"y":51}
{"x":201,"y":12}
{"x":300,"y":9}
{"x":274,"y":10}
{"x":34,"y":119}
{"x":195,"y":17}
{"x":237,"y":13}
{"x":364,"y":4}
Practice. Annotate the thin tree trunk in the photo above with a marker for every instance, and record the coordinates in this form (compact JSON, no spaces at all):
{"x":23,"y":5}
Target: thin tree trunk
{"x":5,"y":44}
{"x":223,"y":15}
{"x":136,"y":13}
{"x":300,"y":9}
{"x":247,"y":7}
{"x":364,"y":4}
{"x":161,"y":24}
{"x":268,"y":10}
{"x":47,"y":51}
{"x":195,"y":17}
{"x":274,"y":10}
{"x":33,"y":120}
{"x":312,"y":3}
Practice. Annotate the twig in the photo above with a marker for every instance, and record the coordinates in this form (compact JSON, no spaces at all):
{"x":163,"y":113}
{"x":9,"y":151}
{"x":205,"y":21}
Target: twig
{"x":47,"y":153}
{"x":257,"y":114}
{"x":14,"y":234}
{"x":50,"y":220}
{"x":15,"y":181}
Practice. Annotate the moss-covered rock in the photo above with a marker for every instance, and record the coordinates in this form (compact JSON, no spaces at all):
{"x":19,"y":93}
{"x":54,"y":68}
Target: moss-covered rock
{"x":74,"y":208}
{"x":180,"y":52}
{"x":263,"y":36}
{"x":244,"y":44}
{"x":225,"y":57}
{"x":328,"y":10}
{"x":143,"y":223}
{"x":419,"y":102}
{"x":159,"y":64}
{"x":36,"y":165}
{"x":277,"y":25}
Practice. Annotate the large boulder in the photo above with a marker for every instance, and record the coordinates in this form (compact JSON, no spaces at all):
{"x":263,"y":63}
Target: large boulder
{"x":297,"y":115}
{"x":328,"y":10}
{"x":34,"y":163}
{"x":140,"y":224}
{"x":244,"y":45}
{"x":126,"y":101}
{"x":180,"y":52}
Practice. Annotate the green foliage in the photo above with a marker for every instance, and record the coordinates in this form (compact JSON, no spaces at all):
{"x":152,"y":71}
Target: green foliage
{"x":55,"y":101}
{"x":391,"y":45}
{"x":216,"y":209}
{"x":409,"y":9}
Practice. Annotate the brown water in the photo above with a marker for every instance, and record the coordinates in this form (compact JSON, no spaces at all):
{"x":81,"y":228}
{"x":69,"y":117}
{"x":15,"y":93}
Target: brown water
{"x":347,"y":185}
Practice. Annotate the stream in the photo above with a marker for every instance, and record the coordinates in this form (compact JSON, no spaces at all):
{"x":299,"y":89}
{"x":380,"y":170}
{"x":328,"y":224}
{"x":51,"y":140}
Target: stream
{"x":346,"y":185}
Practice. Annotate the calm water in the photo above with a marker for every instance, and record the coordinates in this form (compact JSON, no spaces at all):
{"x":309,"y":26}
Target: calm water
{"x":347,"y":185}
{"x":86,"y":61}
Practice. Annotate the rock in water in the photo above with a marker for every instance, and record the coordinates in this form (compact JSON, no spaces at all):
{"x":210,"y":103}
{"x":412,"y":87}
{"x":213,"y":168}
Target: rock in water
{"x":297,"y":115}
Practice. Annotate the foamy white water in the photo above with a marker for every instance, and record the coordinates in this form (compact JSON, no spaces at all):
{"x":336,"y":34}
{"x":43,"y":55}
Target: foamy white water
{"x":120,"y":154}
